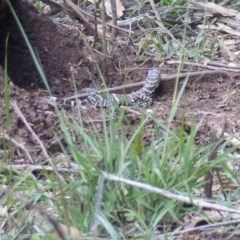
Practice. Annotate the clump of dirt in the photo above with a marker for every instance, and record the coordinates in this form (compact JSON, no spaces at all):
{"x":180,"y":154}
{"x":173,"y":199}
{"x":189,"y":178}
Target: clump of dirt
{"x":55,"y":50}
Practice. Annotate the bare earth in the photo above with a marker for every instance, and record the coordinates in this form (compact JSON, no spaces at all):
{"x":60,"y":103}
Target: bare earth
{"x":211,"y":99}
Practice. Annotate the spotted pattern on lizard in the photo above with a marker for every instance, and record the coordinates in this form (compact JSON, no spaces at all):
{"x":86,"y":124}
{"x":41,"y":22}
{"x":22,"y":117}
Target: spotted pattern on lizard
{"x":140,"y":98}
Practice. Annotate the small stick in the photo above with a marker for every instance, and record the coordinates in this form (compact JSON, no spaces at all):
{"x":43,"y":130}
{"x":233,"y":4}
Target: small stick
{"x":234,"y":69}
{"x":75,"y":9}
{"x":35,"y":136}
{"x":219,"y":64}
{"x":22,"y":167}
{"x":216,"y":9}
{"x":154,"y":9}
{"x":104,"y":41}
{"x":195,"y":229}
{"x":18,"y":145}
{"x":208,"y":177}
{"x":160,"y":24}
{"x":114,"y":20}
{"x":95,"y":22}
{"x":185,"y":199}
{"x":130,"y":110}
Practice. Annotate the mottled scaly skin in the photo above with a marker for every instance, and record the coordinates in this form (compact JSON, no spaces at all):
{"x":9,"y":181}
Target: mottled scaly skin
{"x":139,"y":98}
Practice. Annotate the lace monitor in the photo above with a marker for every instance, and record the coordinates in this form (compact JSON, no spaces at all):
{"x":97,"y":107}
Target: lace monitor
{"x":139,"y":98}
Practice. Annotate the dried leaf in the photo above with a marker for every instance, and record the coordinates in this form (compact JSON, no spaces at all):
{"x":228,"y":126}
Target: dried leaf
{"x":216,"y":9}
{"x":119,"y":7}
{"x":227,"y":55}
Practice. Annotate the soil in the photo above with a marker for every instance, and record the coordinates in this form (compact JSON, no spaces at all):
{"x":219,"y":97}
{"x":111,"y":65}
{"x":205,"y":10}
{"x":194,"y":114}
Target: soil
{"x":212,"y":100}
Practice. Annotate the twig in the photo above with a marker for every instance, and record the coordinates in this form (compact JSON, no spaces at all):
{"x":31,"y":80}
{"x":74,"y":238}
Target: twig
{"x":213,"y":225}
{"x":216,"y":9}
{"x":219,"y":64}
{"x":193,"y":74}
{"x":91,"y":121}
{"x":32,"y":168}
{"x":75,"y":9}
{"x":215,"y":136}
{"x":114,"y":20}
{"x":104,"y":41}
{"x":160,"y":24}
{"x":35,"y":136}
{"x":154,"y":9}
{"x":225,"y":68}
{"x":189,"y":200}
{"x":130,"y":110}
{"x":18,"y":145}
{"x":134,"y":20}
{"x":130,"y":21}
{"x":95,"y":22}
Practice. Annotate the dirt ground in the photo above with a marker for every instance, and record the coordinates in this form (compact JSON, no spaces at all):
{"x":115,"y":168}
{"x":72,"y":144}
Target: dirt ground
{"x":212,"y":99}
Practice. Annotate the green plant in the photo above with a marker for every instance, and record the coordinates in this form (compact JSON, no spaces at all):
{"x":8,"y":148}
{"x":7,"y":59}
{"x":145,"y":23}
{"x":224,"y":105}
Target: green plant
{"x":80,"y":194}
